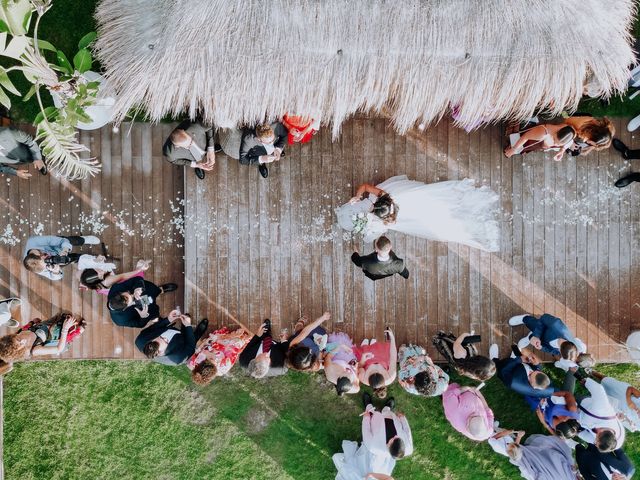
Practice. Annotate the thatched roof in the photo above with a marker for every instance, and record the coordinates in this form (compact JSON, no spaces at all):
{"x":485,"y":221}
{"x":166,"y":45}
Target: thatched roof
{"x":241,"y":61}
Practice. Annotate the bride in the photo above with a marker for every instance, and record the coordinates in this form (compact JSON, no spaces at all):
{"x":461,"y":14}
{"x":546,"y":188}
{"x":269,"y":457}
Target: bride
{"x":358,"y":463}
{"x":452,"y":211}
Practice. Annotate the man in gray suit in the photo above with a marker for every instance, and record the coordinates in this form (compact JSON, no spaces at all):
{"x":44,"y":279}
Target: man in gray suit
{"x":17,"y":148}
{"x":192,"y":144}
{"x":382,"y":263}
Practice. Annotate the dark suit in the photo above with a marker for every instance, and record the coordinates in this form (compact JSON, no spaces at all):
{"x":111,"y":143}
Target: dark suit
{"x":129,"y":317}
{"x":180,"y":348}
{"x":589,"y":462}
{"x":375,"y":269}
{"x":513,"y":374}
{"x":251,"y":149}
{"x":202,"y":136}
{"x":277,"y":354}
{"x":17,"y":148}
{"x":548,"y":328}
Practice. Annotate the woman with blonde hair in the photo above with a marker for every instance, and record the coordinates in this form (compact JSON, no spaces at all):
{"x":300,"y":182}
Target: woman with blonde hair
{"x":591,"y":133}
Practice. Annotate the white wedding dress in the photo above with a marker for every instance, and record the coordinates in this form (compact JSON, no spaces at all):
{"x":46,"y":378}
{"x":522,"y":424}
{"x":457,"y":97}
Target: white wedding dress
{"x":356,"y":462}
{"x":452,"y":211}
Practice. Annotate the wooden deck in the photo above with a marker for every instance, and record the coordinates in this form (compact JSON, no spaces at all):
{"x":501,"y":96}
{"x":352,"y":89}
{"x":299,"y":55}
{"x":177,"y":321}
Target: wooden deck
{"x":260,"y":248}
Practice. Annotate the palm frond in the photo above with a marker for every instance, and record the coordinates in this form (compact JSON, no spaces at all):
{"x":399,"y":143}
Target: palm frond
{"x":62,"y":151}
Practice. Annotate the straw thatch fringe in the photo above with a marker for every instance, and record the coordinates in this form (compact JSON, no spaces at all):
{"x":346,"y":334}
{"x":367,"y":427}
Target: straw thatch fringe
{"x":243,"y":61}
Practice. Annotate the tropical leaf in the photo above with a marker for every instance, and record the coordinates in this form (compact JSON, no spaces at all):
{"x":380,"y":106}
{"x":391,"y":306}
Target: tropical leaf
{"x":16,"y":15}
{"x":5,"y":101}
{"x":48,"y":112}
{"x":82,"y":60}
{"x":63,"y":61}
{"x":44,"y":45}
{"x":3,"y":26}
{"x":30,"y":93}
{"x":62,"y":151}
{"x":5,"y":81}
{"x":87,"y":40}
{"x":16,"y":47}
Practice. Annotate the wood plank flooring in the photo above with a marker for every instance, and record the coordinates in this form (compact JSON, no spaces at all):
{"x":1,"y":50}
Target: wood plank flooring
{"x":270,"y":248}
{"x":258,"y":248}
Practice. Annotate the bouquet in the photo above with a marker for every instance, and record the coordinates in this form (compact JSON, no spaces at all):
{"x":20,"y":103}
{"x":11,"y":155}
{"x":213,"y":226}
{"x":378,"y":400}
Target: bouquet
{"x":360,"y":221}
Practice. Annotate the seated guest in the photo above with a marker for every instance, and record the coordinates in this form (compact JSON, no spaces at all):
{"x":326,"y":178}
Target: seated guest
{"x":549,"y":334}
{"x":545,"y":138}
{"x":46,"y":255}
{"x":382,"y":263}
{"x":301,"y":129}
{"x":541,"y":457}
{"x":133,"y":303}
{"x":523,"y":374}
{"x":385,"y":431}
{"x":19,"y":149}
{"x":598,"y":417}
{"x":468,"y":412}
{"x":263,"y":145}
{"x":341,"y":363}
{"x":378,"y":363}
{"x":625,"y":397}
{"x":595,"y":465}
{"x":192,"y":144}
{"x":217,"y":353}
{"x":171,"y":341}
{"x":591,"y":133}
{"x":462,"y":355}
{"x":417,"y":373}
{"x":42,"y":337}
{"x":263,"y":356}
{"x":102,"y":280}
{"x":559,"y":414}
{"x":306,"y":345}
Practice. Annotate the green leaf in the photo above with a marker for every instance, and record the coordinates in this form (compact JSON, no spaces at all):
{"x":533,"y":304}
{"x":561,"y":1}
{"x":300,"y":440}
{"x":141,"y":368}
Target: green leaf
{"x":82,"y":61}
{"x":44,"y":45}
{"x":49,"y":111}
{"x":27,"y":20}
{"x":63,"y":61}
{"x":3,"y":26}
{"x":15,"y":14}
{"x":4,"y":99}
{"x":87,"y":40}
{"x":29,"y":94}
{"x":5,"y":81}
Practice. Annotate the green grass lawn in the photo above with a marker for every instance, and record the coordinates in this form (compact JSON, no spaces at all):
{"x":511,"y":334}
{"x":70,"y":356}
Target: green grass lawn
{"x":137,"y":420}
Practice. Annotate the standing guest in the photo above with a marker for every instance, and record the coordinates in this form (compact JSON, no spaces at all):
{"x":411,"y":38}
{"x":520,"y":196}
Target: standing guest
{"x":462,"y":355}
{"x":341,"y":363}
{"x":549,"y":334}
{"x":40,"y":338}
{"x":385,"y":431}
{"x":545,"y":138}
{"x":306,"y":345}
{"x":359,"y":463}
{"x":46,"y":255}
{"x":263,"y":145}
{"x":101,"y":280}
{"x":523,"y":374}
{"x":301,"y":128}
{"x":382,"y":263}
{"x":378,"y":363}
{"x":591,"y":133}
{"x":626,"y":397}
{"x":263,"y":356}
{"x":7,"y":306}
{"x":628,"y":179}
{"x":133,"y":303}
{"x":217,"y":353}
{"x":468,"y":412}
{"x":598,"y":417}
{"x":595,"y":465}
{"x":192,"y":144}
{"x":18,"y":149}
{"x":417,"y":373}
{"x":559,"y":414}
{"x":541,"y":457}
{"x":172,"y":340}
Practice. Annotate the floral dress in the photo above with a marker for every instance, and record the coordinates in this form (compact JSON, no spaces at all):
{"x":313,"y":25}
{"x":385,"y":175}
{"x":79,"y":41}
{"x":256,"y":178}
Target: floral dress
{"x":222,"y":347}
{"x":413,"y":360}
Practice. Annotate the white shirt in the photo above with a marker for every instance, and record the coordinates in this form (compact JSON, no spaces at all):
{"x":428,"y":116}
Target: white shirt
{"x":169,"y":334}
{"x":500,"y":445}
{"x":374,"y":435}
{"x":598,"y":404}
{"x":89,"y":261}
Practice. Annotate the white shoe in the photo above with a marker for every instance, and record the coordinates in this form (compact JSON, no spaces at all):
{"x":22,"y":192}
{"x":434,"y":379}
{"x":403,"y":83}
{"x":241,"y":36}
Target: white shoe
{"x":12,"y":323}
{"x":364,"y":342}
{"x":494,"y":351}
{"x":524,"y":342}
{"x":517,"y":320}
{"x":91,"y":240}
{"x":372,"y":341}
{"x":634,"y":124}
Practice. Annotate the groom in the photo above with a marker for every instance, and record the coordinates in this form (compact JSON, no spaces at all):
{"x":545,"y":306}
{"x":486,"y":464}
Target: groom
{"x":382,"y":263}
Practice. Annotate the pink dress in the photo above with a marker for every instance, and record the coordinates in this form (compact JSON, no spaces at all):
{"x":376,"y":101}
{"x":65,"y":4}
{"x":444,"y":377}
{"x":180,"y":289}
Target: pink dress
{"x":381,"y":353}
{"x":222,"y":347}
{"x":460,"y":405}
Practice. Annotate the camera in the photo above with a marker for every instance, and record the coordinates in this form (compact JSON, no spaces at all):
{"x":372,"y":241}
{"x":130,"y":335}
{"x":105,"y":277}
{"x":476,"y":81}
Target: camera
{"x":58,"y":260}
{"x":144,"y":301}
